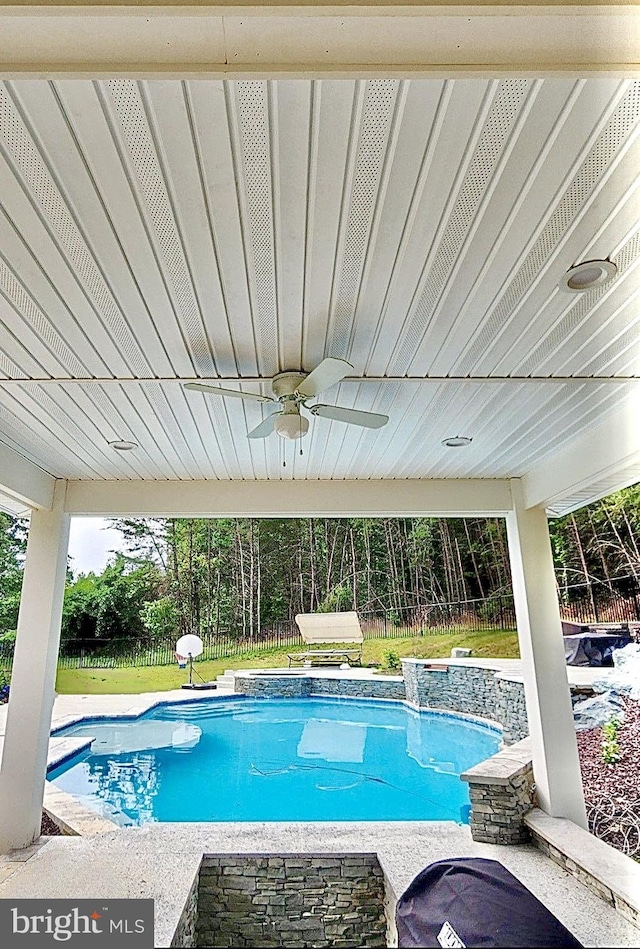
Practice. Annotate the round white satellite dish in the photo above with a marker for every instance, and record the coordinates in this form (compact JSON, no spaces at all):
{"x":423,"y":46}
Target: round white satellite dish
{"x":189,"y":646}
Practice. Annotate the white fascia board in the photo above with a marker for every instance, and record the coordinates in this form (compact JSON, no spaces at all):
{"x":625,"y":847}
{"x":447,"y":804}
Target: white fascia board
{"x":596,"y":463}
{"x":265,"y":38}
{"x":415,"y":498}
{"x":23,"y":481}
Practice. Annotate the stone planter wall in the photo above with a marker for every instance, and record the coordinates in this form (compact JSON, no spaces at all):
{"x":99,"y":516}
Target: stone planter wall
{"x":469,"y":689}
{"x":291,"y":900}
{"x":501,"y":790}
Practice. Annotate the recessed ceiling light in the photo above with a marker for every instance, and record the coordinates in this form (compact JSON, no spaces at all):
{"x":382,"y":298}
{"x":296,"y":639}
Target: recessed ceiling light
{"x":587,"y":275}
{"x":457,"y":441}
{"x":123,"y":445}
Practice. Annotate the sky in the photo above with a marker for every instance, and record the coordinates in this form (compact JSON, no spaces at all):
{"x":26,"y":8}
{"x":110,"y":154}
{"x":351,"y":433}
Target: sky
{"x":91,"y":541}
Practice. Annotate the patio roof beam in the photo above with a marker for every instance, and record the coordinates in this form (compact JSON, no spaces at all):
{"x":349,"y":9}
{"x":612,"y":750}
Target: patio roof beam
{"x":265,"y":38}
{"x":22,"y":480}
{"x":410,"y":498}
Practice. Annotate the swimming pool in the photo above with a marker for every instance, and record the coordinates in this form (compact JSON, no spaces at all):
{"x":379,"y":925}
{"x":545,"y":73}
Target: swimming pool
{"x":245,"y":759}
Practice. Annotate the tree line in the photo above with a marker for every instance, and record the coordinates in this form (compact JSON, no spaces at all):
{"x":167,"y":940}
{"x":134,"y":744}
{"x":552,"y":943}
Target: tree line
{"x":243,"y":575}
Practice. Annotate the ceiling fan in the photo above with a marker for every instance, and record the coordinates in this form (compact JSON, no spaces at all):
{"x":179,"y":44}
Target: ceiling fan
{"x":292,"y":390}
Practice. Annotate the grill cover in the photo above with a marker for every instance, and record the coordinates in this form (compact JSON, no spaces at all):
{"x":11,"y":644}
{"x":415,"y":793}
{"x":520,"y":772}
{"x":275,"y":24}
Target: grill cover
{"x":475,"y":902}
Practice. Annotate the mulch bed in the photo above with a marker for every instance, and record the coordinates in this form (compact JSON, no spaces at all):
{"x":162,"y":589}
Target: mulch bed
{"x":48,"y":828}
{"x":613,"y":788}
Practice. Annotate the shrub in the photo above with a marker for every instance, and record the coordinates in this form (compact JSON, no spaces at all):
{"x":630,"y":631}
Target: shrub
{"x":391,"y":658}
{"x":610,"y":745}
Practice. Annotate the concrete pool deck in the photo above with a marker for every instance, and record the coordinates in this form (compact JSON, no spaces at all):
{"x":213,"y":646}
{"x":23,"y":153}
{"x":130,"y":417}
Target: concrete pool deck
{"x":163,"y":861}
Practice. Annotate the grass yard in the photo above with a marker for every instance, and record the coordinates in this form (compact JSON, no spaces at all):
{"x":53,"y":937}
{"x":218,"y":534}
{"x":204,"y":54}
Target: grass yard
{"x":376,"y":652}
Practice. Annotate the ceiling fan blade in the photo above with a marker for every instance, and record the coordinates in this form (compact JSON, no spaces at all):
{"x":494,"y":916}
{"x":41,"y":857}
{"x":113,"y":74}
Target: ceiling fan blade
{"x":350,"y":416}
{"x":231,"y":393}
{"x":326,"y":374}
{"x":265,"y":427}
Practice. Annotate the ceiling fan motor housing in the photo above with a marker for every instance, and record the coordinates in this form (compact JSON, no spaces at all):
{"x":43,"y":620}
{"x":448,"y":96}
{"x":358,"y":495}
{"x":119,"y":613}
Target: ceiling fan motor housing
{"x":286,"y":383}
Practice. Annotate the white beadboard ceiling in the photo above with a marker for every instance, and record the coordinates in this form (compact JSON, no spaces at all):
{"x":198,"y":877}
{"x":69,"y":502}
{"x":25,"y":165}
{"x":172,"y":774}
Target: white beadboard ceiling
{"x":163,"y":231}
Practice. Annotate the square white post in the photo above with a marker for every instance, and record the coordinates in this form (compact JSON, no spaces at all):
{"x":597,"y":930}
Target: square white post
{"x":556,"y":766}
{"x":24,"y":757}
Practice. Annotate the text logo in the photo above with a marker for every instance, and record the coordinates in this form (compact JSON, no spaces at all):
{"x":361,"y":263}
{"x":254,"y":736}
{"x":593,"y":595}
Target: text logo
{"x":79,"y":922}
{"x":448,"y":937}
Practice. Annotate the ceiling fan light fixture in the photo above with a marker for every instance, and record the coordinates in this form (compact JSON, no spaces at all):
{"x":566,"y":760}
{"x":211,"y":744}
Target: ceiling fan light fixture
{"x":456,"y":441}
{"x":587,"y":275}
{"x":291,"y":426}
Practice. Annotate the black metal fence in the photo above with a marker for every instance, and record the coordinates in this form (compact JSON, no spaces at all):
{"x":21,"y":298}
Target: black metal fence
{"x":595,"y":602}
{"x":599,"y":601}
{"x":111,"y":654}
{"x":432,"y":619}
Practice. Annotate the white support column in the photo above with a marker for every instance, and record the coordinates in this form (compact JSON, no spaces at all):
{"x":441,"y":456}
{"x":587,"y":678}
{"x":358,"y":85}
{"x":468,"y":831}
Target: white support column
{"x":24,"y":758}
{"x":556,"y":766}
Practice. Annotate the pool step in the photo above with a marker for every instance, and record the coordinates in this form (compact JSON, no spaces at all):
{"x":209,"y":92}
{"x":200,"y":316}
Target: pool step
{"x":225,"y":680}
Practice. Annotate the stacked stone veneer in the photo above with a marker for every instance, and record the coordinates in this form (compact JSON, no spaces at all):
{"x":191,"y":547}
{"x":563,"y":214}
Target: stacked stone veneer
{"x":510,"y":709}
{"x":613,"y":876}
{"x":471,"y":690}
{"x":291,"y":900}
{"x":296,"y":686}
{"x":186,"y":932}
{"x":502,"y":791}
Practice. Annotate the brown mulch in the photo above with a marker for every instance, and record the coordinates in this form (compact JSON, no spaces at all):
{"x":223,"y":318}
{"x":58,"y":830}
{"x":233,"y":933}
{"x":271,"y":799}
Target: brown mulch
{"x":613,"y":786}
{"x":48,"y":828}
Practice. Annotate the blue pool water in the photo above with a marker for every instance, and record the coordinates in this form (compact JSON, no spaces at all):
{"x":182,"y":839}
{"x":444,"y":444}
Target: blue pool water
{"x":245,"y":759}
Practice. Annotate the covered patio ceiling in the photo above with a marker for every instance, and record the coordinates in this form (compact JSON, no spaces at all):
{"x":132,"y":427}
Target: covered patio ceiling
{"x":154,"y":232}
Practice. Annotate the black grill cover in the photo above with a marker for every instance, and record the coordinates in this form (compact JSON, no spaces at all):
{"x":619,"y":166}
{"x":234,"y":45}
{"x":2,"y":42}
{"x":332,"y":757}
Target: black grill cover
{"x":475,"y":902}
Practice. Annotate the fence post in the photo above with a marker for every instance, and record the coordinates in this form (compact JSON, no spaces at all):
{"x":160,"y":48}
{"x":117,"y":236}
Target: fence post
{"x":635,"y":600}
{"x":595,"y":603}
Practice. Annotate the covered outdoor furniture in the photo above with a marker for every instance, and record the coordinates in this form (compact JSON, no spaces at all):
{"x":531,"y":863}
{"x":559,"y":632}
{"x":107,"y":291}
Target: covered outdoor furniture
{"x":593,"y":648}
{"x":343,"y":628}
{"x":471,"y":901}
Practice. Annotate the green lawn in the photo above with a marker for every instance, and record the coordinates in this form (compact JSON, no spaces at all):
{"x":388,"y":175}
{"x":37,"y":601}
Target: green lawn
{"x":494,"y":644}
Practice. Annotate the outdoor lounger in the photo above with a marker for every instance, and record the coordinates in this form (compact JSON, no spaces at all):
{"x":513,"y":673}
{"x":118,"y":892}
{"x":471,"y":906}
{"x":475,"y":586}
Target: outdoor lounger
{"x":343,"y":628}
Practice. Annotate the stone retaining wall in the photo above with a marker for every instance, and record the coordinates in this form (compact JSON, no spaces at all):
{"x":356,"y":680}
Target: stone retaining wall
{"x":501,"y":790}
{"x":297,"y":686}
{"x":469,"y":689}
{"x":271,"y":686}
{"x":510,"y":710}
{"x":291,"y":900}
{"x":389,"y":688}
